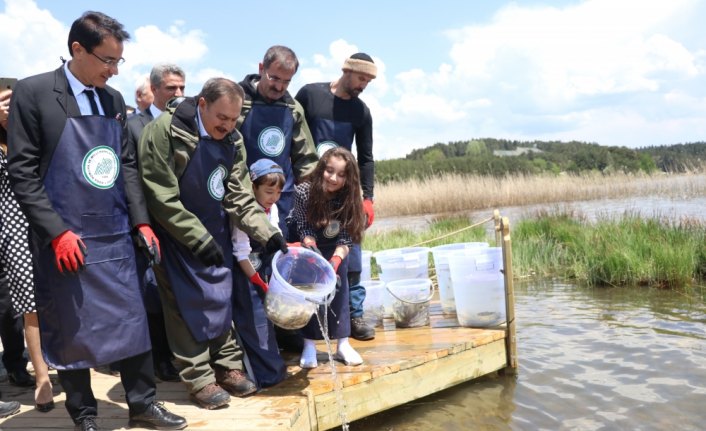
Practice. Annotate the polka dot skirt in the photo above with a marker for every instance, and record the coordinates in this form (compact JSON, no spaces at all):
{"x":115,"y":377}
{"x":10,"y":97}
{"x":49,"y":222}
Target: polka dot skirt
{"x":15,"y":255}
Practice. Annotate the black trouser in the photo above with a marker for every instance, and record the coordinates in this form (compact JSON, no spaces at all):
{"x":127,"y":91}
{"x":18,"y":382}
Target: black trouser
{"x":11,"y":331}
{"x":161,"y":352}
{"x":136,"y":374}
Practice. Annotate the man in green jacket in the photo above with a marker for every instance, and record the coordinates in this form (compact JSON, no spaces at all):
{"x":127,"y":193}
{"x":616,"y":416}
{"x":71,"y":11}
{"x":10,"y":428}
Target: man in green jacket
{"x":195,"y":178}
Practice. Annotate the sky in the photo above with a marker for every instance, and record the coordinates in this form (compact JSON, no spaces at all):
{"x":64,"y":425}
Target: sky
{"x":613,"y":72}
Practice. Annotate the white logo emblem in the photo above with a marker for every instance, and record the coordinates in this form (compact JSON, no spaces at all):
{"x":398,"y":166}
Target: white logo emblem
{"x":215,"y":183}
{"x":271,"y":141}
{"x":101,"y":167}
{"x":332,"y":230}
{"x":325,"y":146}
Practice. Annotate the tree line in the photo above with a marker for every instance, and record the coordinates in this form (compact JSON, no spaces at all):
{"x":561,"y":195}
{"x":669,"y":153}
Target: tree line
{"x":500,"y":157}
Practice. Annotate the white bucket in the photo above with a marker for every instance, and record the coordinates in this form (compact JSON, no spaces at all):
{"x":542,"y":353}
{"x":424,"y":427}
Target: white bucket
{"x":301,"y":281}
{"x":401,"y":264}
{"x":479,"y":286}
{"x":411,"y":301}
{"x":443,"y":275}
{"x":373,"y":305}
{"x":366,"y":274}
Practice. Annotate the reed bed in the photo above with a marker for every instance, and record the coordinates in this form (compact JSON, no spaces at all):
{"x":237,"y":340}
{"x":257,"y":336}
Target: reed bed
{"x":616,"y":251}
{"x":456,"y":192}
{"x":612,"y":251}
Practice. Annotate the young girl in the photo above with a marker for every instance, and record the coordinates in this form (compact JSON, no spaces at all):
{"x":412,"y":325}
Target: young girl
{"x":255,"y":332}
{"x":328,"y":213}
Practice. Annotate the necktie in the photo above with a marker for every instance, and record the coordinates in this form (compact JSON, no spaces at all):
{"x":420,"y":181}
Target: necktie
{"x":92,"y":100}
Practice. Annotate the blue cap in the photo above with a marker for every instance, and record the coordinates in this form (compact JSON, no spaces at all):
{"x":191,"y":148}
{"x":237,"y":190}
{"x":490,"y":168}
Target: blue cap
{"x":263,"y":167}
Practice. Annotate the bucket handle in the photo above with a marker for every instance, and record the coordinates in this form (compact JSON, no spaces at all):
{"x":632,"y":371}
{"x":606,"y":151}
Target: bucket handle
{"x":326,"y":299}
{"x":421,"y":301}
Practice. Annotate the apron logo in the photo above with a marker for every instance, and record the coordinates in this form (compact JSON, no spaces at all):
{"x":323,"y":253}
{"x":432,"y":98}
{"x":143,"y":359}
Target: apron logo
{"x":332,"y":230}
{"x":215,"y":183}
{"x":101,"y":167}
{"x":325,"y":146}
{"x":271,"y":141}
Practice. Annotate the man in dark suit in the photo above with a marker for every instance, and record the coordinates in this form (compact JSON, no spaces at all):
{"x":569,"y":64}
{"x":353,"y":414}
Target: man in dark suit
{"x":143,"y":95}
{"x":166,"y":82}
{"x":77,"y":181}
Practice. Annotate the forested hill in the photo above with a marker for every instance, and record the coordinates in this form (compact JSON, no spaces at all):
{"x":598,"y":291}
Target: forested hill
{"x":499,"y":157}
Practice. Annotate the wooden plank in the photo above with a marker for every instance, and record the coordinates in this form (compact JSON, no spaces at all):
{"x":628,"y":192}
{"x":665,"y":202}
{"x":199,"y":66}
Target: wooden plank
{"x":407,"y":385}
{"x":400,"y":365}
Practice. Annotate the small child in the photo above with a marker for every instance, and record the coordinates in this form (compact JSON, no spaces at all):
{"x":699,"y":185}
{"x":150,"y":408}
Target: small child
{"x":254,"y":331}
{"x":328,"y":213}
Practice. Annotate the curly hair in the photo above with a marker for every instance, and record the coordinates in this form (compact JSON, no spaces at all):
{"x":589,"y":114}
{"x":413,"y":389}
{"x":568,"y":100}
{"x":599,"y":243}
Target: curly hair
{"x":350,"y":213}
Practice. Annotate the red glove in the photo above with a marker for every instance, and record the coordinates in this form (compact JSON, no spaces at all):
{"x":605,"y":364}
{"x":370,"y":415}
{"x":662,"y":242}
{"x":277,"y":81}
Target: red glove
{"x":369,"y":212}
{"x":149,"y":241}
{"x":258,"y":281}
{"x":335,"y":262}
{"x":70,"y":252}
{"x":294,"y":244}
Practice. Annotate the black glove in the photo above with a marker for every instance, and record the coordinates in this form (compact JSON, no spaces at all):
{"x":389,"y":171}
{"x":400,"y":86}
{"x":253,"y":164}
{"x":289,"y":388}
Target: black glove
{"x":275,"y":243}
{"x":211,"y":254}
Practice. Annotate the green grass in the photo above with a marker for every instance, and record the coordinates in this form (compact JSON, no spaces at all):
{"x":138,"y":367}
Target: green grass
{"x":627,"y":250}
{"x":400,"y":238}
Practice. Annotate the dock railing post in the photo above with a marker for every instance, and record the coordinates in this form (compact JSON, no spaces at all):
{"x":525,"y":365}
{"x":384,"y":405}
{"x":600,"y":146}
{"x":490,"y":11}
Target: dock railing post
{"x":510,"y":326}
{"x":498,"y":230}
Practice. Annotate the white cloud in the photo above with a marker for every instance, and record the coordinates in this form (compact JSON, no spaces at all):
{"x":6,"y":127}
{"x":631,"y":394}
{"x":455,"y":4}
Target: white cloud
{"x":602,"y":71}
{"x":32,"y":40}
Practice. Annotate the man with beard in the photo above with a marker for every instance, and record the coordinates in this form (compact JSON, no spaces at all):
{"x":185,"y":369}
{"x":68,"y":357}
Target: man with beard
{"x":336,"y":115}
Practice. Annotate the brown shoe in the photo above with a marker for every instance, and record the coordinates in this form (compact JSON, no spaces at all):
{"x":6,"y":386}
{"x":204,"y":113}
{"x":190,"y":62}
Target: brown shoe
{"x":360,"y":330}
{"x":235,"y":381}
{"x":210,"y":397}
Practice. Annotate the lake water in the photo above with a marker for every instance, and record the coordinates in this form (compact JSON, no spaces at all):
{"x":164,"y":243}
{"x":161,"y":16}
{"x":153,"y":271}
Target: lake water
{"x":589,"y":359}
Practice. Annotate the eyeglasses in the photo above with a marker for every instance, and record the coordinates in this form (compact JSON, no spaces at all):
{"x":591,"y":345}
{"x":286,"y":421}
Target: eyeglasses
{"x":108,"y":63}
{"x":277,"y":80}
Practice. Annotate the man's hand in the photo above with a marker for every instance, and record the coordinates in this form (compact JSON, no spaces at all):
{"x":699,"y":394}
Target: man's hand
{"x":146,"y":239}
{"x":276,"y":243}
{"x":211,"y":254}
{"x":70,"y":252}
{"x":369,"y":212}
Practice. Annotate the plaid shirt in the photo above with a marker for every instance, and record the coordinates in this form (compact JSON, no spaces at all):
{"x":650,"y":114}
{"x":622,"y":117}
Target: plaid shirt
{"x":304,"y":228}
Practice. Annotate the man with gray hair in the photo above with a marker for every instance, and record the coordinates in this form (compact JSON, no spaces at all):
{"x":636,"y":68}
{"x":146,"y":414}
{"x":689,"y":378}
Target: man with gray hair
{"x":192,"y":162}
{"x":166,"y":81}
{"x":143,"y":94}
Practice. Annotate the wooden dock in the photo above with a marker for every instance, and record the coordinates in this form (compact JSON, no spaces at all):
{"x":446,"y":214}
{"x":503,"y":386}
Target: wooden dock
{"x":401,"y":365}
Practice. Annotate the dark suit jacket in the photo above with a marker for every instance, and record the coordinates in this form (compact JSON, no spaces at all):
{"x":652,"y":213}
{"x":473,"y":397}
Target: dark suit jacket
{"x":39,"y":109}
{"x":135,"y":124}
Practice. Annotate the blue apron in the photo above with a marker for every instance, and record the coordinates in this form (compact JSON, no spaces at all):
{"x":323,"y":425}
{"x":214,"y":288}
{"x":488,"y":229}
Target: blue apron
{"x":95,"y":316}
{"x":330,"y":134}
{"x":256,"y":334}
{"x":338,"y":316}
{"x":203,"y":293}
{"x":267,"y":133}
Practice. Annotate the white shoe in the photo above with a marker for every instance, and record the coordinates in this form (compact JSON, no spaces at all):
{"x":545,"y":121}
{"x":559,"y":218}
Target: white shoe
{"x":347,"y":354}
{"x":308,"y":359}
